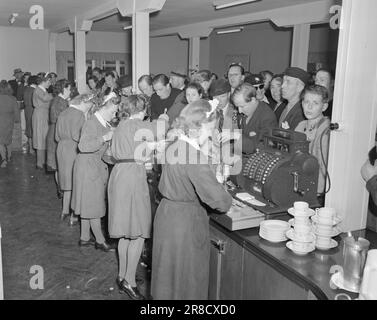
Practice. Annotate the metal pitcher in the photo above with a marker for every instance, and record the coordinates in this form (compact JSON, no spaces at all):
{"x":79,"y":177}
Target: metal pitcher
{"x":354,"y":257}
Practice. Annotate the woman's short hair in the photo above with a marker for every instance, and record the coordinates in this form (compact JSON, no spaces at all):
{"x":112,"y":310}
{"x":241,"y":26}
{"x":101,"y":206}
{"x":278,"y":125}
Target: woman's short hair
{"x":110,"y":73}
{"x":86,"y":97}
{"x":247,"y":90}
{"x":94,"y":78}
{"x":194,"y":115}
{"x":318,"y":90}
{"x":264,"y":73}
{"x":5,"y":88}
{"x":132,"y":104}
{"x":278,"y":77}
{"x":60,"y":85}
{"x":196,"y":86}
{"x":205,"y":75}
{"x":32,"y":80}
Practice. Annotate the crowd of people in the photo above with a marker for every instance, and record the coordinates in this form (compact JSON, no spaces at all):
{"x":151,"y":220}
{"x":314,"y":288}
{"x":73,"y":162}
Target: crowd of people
{"x":102,"y":145}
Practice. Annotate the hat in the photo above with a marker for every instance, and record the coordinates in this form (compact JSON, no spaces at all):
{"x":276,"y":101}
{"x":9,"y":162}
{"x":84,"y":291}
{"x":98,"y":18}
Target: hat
{"x":254,"y":79}
{"x":125,"y":81}
{"x":219,"y":87}
{"x":18,"y":70}
{"x":179,"y":73}
{"x":297,"y":73}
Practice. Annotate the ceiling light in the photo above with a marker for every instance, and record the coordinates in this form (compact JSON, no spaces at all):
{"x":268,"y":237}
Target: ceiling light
{"x":221,"y":4}
{"x":230,"y":30}
{"x":127,"y":27}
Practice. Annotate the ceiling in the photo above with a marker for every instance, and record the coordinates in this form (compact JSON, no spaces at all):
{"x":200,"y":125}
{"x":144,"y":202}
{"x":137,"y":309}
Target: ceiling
{"x":173,"y":14}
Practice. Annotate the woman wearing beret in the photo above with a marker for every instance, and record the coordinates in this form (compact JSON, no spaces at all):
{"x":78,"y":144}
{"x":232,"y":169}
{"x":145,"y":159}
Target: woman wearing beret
{"x":67,"y":135}
{"x":62,"y":89}
{"x":90,"y":173}
{"x":130,"y":217}
{"x":180,"y":262}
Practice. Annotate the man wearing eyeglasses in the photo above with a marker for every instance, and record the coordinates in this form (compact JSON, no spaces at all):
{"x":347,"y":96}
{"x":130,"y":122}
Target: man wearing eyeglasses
{"x":257,"y":82}
{"x":236,"y":75}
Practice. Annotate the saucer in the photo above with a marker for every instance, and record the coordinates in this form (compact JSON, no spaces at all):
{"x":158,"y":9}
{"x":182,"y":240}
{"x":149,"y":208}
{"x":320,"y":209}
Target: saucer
{"x":310,"y":237}
{"x":289,"y":245}
{"x":337,"y":280}
{"x":334,"y":233}
{"x":332,"y":245}
{"x":308,"y":213}
{"x":336,"y":220}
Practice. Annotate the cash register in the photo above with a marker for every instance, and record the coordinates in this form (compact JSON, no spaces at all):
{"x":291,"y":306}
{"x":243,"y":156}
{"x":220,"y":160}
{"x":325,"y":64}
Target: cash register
{"x":280,"y":172}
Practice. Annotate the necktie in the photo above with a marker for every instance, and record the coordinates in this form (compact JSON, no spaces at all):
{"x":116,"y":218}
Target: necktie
{"x":221,"y":119}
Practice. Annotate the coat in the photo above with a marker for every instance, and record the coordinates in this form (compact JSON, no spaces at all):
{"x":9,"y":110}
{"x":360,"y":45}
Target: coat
{"x":293,"y":118}
{"x":260,"y":124}
{"x":90,"y":173}
{"x":41,"y":103}
{"x":181,"y":245}
{"x":28,"y":103}
{"x":67,"y":135}
{"x":318,"y":148}
{"x":8,"y":110}
{"x":128,"y":193}
{"x":58,"y":104}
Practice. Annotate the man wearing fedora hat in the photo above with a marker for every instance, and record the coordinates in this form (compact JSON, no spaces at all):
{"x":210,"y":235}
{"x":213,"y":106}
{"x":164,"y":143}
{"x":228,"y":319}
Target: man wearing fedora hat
{"x":294,"y":81}
{"x":15,"y":83}
{"x":220,"y":90}
{"x":178,"y":79}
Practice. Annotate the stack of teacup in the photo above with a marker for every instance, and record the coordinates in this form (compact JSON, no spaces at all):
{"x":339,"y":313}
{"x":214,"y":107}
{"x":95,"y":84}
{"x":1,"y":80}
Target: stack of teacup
{"x":302,"y":233}
{"x":325,"y":223}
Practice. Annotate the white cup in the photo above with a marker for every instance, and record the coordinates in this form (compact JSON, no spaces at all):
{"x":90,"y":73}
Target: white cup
{"x":324,"y":229}
{"x":302,"y":220}
{"x":323,"y":241}
{"x":301,"y":206}
{"x":301,"y":246}
{"x":368,"y":289}
{"x":326,"y":215}
{"x":302,"y":229}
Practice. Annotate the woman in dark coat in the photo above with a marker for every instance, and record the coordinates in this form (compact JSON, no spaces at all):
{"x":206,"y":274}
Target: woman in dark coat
{"x":62,"y":90}
{"x":8,"y":109}
{"x":180,"y":262}
{"x":130,"y":217}
{"x":67,"y":134}
{"x":90,"y":173}
{"x":28,"y":102}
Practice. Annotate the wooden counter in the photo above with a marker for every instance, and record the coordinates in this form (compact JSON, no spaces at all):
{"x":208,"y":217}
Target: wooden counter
{"x":245,"y":266}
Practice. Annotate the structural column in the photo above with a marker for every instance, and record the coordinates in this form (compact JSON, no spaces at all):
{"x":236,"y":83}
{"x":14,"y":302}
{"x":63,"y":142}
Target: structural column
{"x":300,"y":46}
{"x":52,"y":51}
{"x":79,"y":28}
{"x":355,"y":108}
{"x":194,"y":53}
{"x":140,"y":46}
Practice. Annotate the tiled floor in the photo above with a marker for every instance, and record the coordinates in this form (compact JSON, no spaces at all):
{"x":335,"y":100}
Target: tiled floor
{"x":33,"y":235}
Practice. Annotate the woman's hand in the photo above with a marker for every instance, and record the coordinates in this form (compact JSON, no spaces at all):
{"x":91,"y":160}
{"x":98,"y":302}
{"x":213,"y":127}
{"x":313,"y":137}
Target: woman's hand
{"x":108,"y":136}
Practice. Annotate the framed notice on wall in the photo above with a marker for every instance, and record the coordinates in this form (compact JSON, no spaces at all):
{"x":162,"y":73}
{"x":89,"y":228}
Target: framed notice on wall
{"x":243,"y":59}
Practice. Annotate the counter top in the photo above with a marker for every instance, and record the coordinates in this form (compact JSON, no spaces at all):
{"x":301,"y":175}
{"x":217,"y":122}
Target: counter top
{"x":312,"y":271}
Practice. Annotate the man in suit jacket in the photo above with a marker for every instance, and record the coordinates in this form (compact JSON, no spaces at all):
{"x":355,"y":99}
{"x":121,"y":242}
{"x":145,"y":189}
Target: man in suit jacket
{"x":294,"y":82}
{"x":256,"y":118}
{"x":15,"y":83}
{"x":220,"y":90}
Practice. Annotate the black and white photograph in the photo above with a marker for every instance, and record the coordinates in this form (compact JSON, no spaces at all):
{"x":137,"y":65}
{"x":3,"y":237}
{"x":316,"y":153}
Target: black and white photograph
{"x":188,"y":155}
